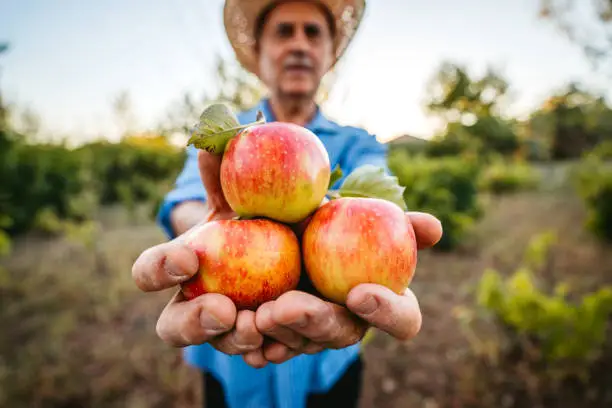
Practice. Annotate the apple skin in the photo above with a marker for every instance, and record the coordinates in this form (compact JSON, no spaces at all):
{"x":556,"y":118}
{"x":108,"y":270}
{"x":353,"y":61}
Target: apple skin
{"x":275,"y":170}
{"x":249,"y":261}
{"x":353,"y":240}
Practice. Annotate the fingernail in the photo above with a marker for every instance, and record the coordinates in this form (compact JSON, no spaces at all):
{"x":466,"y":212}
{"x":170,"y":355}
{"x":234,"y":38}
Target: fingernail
{"x":367,"y":306}
{"x":211,"y":323}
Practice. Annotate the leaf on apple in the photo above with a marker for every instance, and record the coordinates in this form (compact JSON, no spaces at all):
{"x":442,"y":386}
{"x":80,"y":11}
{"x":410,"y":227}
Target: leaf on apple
{"x":370,"y":181}
{"x":335,"y":175}
{"x":217,"y":126}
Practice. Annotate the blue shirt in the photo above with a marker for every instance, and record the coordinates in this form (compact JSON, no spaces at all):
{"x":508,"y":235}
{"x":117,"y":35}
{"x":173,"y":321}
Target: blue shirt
{"x":283,"y":385}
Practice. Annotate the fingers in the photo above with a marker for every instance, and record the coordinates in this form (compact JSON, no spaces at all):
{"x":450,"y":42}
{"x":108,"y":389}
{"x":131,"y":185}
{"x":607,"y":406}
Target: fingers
{"x":210,"y":172}
{"x":255,"y":358}
{"x":325,"y":323}
{"x":183,"y":323}
{"x":427,"y":228}
{"x":269,"y":327}
{"x":164,"y":266}
{"x":278,"y":353}
{"x":398,"y":315}
{"x":243,"y":339}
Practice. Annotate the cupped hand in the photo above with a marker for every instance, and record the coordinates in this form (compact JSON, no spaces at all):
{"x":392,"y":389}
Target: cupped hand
{"x":293,"y":324}
{"x":210,"y":318}
{"x":301,"y":323}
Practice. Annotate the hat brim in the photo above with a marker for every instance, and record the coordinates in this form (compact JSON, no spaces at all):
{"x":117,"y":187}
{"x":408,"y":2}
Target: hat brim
{"x":239,"y":18}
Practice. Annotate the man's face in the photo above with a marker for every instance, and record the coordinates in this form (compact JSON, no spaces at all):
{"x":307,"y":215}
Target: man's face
{"x":295,"y":49}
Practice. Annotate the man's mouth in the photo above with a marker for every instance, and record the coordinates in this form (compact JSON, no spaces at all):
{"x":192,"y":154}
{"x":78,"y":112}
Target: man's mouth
{"x":298,"y":68}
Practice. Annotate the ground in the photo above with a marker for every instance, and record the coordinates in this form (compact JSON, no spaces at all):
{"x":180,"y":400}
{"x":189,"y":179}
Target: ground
{"x":86,"y":335}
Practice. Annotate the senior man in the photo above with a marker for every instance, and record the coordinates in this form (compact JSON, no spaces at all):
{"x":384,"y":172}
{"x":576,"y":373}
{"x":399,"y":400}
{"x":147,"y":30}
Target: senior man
{"x":299,"y":350}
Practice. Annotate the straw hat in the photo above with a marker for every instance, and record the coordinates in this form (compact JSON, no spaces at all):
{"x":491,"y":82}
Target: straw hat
{"x":240,"y":16}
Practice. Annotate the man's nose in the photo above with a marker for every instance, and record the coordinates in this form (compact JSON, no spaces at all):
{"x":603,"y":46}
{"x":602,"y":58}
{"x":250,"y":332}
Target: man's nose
{"x":299,"y":41}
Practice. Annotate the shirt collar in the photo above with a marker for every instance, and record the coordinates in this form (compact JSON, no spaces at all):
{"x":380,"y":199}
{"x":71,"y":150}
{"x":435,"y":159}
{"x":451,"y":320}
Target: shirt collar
{"x":318,"y":124}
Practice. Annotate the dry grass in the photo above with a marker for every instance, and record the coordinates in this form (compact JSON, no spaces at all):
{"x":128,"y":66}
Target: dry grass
{"x":76,"y":332}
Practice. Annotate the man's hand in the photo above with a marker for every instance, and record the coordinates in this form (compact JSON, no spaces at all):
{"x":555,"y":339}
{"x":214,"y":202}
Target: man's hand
{"x":303,"y":323}
{"x":295,"y":323}
{"x":210,"y":318}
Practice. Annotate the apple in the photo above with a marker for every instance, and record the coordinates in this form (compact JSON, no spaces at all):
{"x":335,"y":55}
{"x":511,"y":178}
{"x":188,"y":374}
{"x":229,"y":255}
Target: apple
{"x":250,"y":261}
{"x":275,"y":170}
{"x":354,"y":240}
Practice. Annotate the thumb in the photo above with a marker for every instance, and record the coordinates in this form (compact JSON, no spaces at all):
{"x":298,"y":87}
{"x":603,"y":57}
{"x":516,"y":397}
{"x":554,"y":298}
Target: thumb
{"x":210,"y":173}
{"x":395,"y":314}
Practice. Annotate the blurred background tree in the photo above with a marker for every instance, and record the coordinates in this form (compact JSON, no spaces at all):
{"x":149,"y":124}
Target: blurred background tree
{"x":586,"y":23}
{"x":471,"y":109}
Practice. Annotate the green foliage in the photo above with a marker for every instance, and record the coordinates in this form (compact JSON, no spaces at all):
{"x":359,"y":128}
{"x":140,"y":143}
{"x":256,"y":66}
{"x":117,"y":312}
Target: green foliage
{"x":488,"y":135}
{"x":508,"y":176}
{"x":52,"y":188}
{"x":556,"y":336}
{"x":454,"y":94}
{"x":592,"y":179}
{"x":445,"y":187}
{"x":218,"y":125}
{"x":562,"y":330}
{"x":471,"y":108}
{"x":371,"y":181}
{"x":37,"y":177}
{"x":128,"y":173}
{"x":571,"y":123}
{"x":602,"y":151}
{"x":589,"y":30}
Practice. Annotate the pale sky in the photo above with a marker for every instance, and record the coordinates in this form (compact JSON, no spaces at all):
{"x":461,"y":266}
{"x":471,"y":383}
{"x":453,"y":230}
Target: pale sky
{"x":70,"y":58}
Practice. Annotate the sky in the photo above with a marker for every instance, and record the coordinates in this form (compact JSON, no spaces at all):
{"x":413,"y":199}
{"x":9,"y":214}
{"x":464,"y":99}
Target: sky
{"x":69,"y":59}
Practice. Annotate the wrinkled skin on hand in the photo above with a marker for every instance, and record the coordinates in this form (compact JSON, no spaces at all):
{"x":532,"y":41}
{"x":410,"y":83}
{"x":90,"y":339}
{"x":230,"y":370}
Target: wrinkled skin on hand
{"x":297,"y":322}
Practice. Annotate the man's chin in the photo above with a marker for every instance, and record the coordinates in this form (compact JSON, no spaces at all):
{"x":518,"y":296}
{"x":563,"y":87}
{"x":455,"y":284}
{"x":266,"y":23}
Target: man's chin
{"x":298,"y":92}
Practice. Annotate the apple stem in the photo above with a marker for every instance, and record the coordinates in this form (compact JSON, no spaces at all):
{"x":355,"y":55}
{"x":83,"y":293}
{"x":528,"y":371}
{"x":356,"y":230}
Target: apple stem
{"x":260,"y":117}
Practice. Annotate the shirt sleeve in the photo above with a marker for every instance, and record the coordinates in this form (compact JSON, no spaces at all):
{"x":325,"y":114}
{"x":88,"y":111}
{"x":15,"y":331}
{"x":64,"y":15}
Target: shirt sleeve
{"x":188,"y":187}
{"x":363,"y":149}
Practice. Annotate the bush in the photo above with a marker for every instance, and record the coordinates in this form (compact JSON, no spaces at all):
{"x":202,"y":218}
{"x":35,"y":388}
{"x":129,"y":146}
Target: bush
{"x":546,"y":346}
{"x":46,"y":185}
{"x":504,"y":177}
{"x":37,"y":177}
{"x":602,"y":151}
{"x":562,"y":331}
{"x":444,"y":187}
{"x":593,"y":182}
{"x":129,"y":172}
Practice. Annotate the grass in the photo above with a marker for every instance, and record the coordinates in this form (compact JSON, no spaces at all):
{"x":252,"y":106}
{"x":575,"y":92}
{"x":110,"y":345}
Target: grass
{"x":76,"y":332}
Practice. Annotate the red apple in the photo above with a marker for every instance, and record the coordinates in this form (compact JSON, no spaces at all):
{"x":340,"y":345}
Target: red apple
{"x":275,"y":170}
{"x":353,"y":240}
{"x":249,"y":261}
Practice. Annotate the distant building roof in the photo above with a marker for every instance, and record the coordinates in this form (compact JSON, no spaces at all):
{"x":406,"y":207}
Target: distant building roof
{"x":407,"y":139}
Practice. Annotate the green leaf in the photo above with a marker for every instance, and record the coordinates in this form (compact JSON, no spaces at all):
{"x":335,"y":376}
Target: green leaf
{"x":372,"y":182}
{"x":217,"y":126}
{"x":335,"y":175}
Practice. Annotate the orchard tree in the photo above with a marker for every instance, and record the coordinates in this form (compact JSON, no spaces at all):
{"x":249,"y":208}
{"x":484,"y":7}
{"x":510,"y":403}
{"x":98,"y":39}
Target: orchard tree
{"x":571,"y":122}
{"x":471,"y":108}
{"x":3,"y":109}
{"x":587,"y":23}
